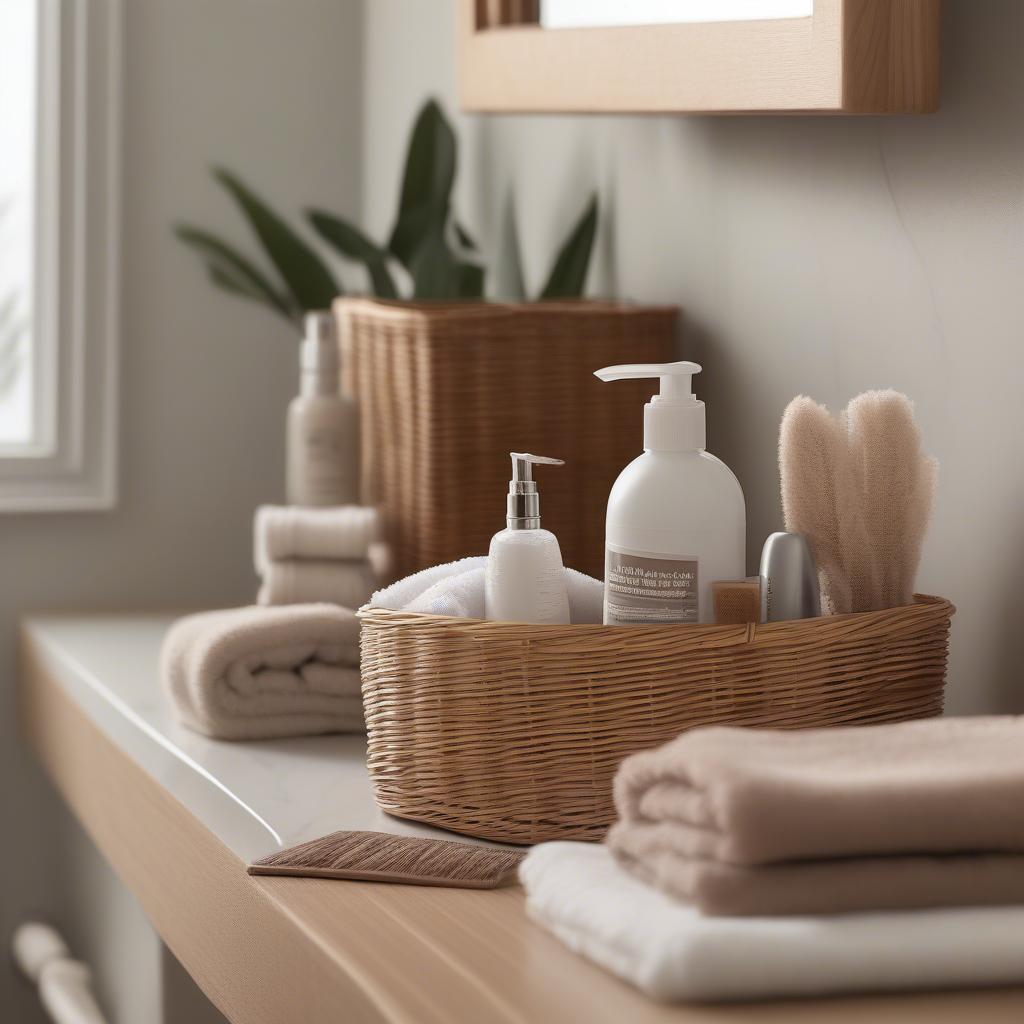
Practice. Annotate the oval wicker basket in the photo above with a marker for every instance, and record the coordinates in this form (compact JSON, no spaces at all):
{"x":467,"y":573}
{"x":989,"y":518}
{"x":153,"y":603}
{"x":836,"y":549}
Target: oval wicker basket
{"x":513,"y":732}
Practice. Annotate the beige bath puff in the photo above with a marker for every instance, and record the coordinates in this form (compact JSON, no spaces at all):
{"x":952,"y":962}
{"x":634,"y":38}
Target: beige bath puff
{"x":860,"y":489}
{"x":895,"y":484}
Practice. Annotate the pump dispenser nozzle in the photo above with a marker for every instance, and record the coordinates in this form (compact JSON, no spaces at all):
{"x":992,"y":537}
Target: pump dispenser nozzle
{"x":319,"y":350}
{"x":673,"y":419}
{"x":523,"y":498}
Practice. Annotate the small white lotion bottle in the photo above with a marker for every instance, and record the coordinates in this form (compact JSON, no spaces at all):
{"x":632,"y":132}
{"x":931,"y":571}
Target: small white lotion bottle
{"x":323,"y":425}
{"x":525,"y":578}
{"x":676,"y":516}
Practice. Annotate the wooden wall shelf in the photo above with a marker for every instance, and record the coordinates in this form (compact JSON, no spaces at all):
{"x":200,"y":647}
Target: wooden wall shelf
{"x":848,"y":57}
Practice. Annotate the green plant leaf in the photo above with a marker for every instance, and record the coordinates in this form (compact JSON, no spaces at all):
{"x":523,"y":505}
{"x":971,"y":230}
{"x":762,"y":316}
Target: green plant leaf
{"x":568,"y":276}
{"x":426,"y":184}
{"x":351,"y":242}
{"x":438,"y":273}
{"x":435,"y":272}
{"x":309,"y":281}
{"x":225,"y":264}
{"x":465,"y":238}
{"x":471,"y":281}
{"x":225,"y":278}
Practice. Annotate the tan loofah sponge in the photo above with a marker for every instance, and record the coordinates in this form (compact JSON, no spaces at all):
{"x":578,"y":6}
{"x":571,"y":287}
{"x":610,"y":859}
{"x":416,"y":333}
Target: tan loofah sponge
{"x":860,"y":489}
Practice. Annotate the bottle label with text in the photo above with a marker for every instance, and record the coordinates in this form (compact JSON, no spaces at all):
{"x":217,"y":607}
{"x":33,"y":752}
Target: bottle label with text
{"x":649,"y":589}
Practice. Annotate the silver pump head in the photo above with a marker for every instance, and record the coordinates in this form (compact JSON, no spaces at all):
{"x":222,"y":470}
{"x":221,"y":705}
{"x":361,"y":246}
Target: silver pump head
{"x":523,"y":498}
{"x":319,"y":360}
{"x":319,"y":351}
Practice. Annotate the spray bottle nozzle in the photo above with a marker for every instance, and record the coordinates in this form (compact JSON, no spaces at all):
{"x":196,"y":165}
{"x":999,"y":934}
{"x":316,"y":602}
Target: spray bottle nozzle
{"x":523,"y":499}
{"x":318,"y":353}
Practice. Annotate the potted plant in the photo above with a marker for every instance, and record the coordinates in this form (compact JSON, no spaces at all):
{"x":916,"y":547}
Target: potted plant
{"x":449,"y":383}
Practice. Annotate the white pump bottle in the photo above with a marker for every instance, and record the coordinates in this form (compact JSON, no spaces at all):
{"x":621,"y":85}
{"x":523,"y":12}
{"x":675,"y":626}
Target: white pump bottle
{"x":525,"y":578}
{"x":676,"y":516}
{"x":323,"y":425}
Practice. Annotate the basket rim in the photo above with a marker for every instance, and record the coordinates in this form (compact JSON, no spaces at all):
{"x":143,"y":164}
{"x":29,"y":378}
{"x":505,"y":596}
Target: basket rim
{"x":402,"y":309}
{"x":924,"y":606}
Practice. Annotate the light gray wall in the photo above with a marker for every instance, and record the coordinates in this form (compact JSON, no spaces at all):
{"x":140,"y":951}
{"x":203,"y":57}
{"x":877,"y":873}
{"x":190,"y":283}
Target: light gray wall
{"x":269,"y":87}
{"x":814,"y":255}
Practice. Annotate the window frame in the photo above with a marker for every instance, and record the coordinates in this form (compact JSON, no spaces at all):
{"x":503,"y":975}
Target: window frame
{"x":71,"y":463}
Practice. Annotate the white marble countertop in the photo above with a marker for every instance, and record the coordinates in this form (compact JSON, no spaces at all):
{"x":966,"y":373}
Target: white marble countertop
{"x":254,"y":796}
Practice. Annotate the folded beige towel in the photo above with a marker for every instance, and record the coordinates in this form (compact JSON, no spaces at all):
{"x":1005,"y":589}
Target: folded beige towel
{"x":831,"y":886}
{"x":285,"y":532}
{"x":349,"y":584}
{"x":261,"y":673}
{"x":753,"y":821}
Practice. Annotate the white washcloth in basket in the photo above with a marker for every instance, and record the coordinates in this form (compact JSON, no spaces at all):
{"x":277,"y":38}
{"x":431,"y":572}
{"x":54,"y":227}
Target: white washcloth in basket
{"x":457,"y":589}
{"x":674,"y":953}
{"x":461,"y":596}
{"x":399,"y":596}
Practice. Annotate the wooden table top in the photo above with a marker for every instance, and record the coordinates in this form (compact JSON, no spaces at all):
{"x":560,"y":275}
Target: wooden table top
{"x":171,"y":814}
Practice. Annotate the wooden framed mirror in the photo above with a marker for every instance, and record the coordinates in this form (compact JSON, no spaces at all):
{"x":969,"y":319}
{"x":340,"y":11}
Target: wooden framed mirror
{"x":700,"y":56}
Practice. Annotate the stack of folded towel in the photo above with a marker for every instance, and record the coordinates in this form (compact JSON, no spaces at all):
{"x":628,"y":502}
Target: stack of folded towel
{"x":318,"y":554}
{"x":753,"y":863}
{"x":747,"y":821}
{"x":263,"y":673}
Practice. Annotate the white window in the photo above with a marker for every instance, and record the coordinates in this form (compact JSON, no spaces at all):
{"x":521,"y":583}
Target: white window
{"x":59,"y":140}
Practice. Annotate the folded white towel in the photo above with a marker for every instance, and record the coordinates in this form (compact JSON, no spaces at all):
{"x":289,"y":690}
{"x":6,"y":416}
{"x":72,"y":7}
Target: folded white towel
{"x":284,"y":532}
{"x":673,"y":953}
{"x":261,"y":673}
{"x":349,"y":584}
{"x":458,"y":589}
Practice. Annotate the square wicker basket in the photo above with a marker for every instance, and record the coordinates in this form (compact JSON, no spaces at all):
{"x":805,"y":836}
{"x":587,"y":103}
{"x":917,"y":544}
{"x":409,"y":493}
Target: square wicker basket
{"x":513,"y":732}
{"x":446,"y":391}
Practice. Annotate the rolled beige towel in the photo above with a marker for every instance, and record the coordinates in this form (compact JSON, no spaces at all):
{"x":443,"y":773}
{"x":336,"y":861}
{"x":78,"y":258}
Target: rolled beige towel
{"x":262,"y":673}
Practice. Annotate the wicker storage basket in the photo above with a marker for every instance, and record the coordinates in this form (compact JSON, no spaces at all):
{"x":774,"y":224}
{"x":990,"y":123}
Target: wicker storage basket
{"x":513,"y":733}
{"x":448,"y":390}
